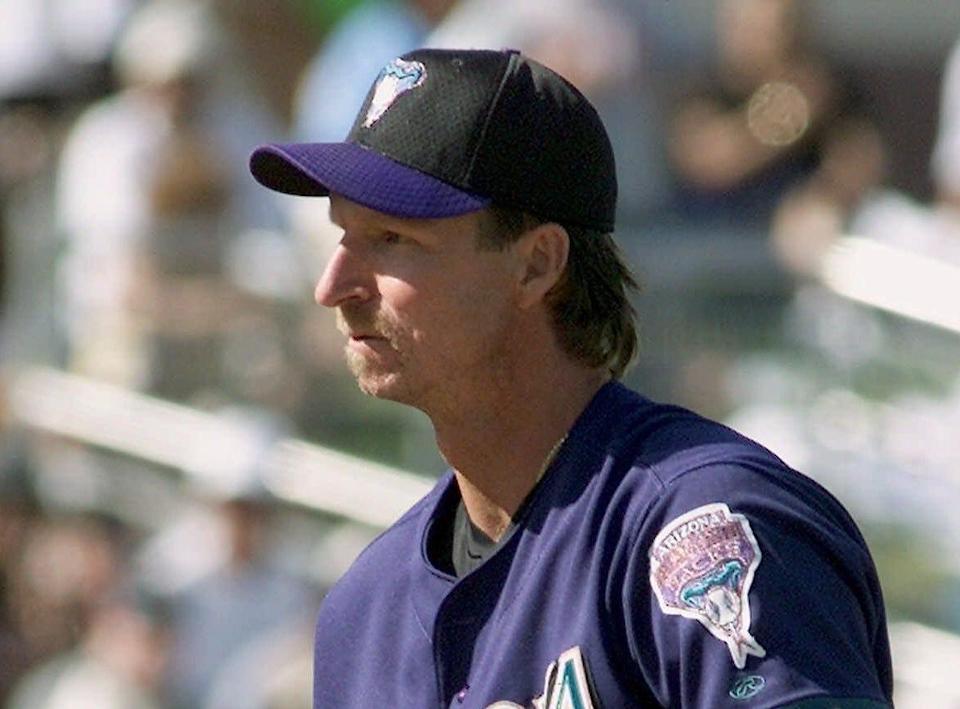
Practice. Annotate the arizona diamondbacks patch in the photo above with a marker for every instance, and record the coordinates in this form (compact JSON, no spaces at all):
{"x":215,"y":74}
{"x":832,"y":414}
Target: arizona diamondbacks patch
{"x":701,"y":567}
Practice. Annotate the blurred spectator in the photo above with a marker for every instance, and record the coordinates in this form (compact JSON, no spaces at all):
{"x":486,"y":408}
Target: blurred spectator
{"x":116,"y":666}
{"x":246,"y":599}
{"x":111,"y":189}
{"x":273,"y":671}
{"x":739,"y":142}
{"x":178,"y":291}
{"x":847,"y":194}
{"x":58,"y":47}
{"x":53,"y":55}
{"x":67,"y":568}
{"x":26,"y":150}
{"x":212,"y":320}
{"x":813,"y":214}
{"x":271,"y":42}
{"x":86,"y":647}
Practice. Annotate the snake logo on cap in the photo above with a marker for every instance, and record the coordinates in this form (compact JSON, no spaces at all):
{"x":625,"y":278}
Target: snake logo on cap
{"x":396,"y":78}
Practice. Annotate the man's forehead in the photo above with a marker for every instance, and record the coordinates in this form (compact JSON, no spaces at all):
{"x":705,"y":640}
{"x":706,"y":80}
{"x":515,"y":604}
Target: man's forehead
{"x":343,"y":210}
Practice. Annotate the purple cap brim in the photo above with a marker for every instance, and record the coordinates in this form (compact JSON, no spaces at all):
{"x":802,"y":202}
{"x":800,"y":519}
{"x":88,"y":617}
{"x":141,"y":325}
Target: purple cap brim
{"x":362,"y":176}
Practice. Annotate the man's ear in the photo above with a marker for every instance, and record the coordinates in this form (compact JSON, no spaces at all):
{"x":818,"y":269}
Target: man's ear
{"x":543,"y":250}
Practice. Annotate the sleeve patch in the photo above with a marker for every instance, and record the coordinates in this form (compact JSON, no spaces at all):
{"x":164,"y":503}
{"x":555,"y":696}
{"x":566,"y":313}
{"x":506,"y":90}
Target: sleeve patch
{"x":701,"y":567}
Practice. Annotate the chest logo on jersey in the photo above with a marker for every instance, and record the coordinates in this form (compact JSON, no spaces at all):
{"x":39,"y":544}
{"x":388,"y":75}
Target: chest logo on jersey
{"x":565,"y":685}
{"x":701,"y":567}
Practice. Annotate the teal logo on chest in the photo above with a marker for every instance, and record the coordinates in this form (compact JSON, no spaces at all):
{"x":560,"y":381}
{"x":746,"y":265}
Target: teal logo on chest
{"x":565,"y":685}
{"x":747,"y":686}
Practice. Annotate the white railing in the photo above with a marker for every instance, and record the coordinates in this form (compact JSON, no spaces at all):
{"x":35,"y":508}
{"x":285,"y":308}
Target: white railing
{"x":215,"y":450}
{"x":894,"y":279}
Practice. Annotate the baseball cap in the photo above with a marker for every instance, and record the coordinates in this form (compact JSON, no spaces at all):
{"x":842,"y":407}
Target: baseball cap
{"x":444,"y":132}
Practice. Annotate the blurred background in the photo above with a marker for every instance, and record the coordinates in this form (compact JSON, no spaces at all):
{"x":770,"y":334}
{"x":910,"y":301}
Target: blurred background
{"x":186,"y":465}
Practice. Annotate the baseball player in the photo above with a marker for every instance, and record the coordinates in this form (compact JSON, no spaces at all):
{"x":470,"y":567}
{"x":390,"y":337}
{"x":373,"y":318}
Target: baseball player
{"x":588,"y":547}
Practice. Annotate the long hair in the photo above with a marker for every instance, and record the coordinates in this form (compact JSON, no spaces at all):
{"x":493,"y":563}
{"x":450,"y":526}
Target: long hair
{"x":592,"y":315}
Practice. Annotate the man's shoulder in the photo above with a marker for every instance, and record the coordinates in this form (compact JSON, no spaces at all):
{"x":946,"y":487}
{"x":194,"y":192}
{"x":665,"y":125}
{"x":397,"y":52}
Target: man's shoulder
{"x":668,"y":459}
{"x":670,"y":440}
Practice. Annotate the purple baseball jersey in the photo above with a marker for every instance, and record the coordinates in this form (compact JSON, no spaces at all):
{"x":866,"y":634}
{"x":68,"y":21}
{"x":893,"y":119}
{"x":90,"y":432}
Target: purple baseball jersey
{"x":664,"y":561}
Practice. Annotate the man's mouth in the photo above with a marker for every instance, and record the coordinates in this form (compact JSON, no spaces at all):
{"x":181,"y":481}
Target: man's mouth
{"x":368,"y":342}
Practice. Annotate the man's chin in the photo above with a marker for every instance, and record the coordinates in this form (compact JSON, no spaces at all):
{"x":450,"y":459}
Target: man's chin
{"x":383,"y":385}
{"x":379,"y":386}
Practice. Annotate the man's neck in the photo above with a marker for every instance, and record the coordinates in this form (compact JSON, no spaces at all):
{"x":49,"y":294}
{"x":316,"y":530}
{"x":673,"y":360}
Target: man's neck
{"x":500,"y":445}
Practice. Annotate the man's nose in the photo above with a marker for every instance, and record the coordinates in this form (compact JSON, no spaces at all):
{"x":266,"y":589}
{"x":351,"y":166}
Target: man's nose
{"x":344,"y":279}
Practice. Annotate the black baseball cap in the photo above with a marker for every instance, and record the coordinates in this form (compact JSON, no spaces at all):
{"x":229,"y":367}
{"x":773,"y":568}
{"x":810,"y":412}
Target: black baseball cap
{"x":447,"y":132}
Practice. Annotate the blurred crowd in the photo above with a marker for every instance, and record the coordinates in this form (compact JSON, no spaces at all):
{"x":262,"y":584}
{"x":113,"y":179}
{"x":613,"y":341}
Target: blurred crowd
{"x":754,"y":138}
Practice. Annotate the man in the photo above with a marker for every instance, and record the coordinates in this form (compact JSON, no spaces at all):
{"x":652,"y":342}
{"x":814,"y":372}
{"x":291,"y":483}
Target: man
{"x":588,"y":547}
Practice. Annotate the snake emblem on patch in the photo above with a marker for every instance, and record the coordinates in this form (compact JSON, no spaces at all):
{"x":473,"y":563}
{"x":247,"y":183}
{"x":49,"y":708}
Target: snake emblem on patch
{"x":701,"y":567}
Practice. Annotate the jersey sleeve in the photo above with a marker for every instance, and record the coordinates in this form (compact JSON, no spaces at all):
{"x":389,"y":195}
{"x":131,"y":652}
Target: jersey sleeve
{"x":751,"y":587}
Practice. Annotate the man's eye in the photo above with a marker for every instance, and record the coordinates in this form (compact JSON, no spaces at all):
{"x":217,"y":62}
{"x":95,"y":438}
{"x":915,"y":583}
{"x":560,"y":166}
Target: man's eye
{"x":390,"y":237}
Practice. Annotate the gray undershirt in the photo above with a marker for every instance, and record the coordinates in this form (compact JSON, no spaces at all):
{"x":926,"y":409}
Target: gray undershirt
{"x":471,"y":547}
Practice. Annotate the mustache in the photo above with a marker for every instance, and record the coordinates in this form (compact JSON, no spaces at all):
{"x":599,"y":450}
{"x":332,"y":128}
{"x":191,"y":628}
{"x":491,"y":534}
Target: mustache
{"x":357,"y":320}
